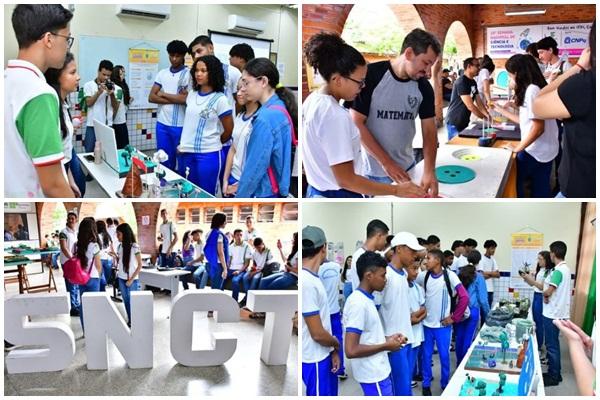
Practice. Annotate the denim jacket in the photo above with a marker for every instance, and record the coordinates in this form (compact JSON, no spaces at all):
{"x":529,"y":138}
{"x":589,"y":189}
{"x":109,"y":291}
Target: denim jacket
{"x":270,"y":144}
{"x":478,"y":294}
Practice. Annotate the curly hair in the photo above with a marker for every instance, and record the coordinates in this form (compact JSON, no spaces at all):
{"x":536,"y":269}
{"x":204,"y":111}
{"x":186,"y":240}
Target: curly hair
{"x":216,"y":76}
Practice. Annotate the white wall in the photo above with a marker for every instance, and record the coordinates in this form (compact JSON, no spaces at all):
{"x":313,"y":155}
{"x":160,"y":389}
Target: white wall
{"x":186,"y":22}
{"x":347,"y":222}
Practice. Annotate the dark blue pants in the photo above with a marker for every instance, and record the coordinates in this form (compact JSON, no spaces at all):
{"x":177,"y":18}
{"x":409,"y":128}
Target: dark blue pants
{"x":318,"y":378}
{"x":418,"y":367}
{"x":216,"y":277}
{"x":552,"y":347}
{"x":167,"y":139}
{"x":106,"y":274}
{"x":184,"y":278}
{"x":401,"y":377}
{"x":441,"y":337}
{"x":126,"y":294}
{"x":452,"y":131}
{"x":536,"y":310}
{"x":338,"y":331}
{"x":89,"y":140}
{"x":73,"y":295}
{"x":340,"y":193}
{"x":414,"y":359}
{"x":528,"y":168}
{"x":167,"y":260}
{"x":465,"y":333}
{"x":278,"y":281}
{"x":251,"y":283}
{"x":204,"y":169}
{"x":383,"y":388}
{"x":75,"y":167}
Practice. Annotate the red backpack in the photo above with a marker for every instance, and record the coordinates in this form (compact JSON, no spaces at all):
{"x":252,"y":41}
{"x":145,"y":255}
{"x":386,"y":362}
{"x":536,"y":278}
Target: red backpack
{"x":73,"y":271}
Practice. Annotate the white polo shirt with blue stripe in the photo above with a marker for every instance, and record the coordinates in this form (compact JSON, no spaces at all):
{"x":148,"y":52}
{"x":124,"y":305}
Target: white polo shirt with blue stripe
{"x":202,"y":126}
{"x":173,"y":82}
{"x":314,"y":302}
{"x":232,"y":77}
{"x":361,"y":317}
{"x":437,"y":298}
{"x":395,"y":304}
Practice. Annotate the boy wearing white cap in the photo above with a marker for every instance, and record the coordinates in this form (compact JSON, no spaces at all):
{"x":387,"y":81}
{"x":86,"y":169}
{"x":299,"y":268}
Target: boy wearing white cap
{"x":395,"y":308}
{"x":320,"y":358}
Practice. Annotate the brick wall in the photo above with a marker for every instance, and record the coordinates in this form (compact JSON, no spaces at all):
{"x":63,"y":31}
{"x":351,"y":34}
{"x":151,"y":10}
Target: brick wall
{"x":146,"y":234}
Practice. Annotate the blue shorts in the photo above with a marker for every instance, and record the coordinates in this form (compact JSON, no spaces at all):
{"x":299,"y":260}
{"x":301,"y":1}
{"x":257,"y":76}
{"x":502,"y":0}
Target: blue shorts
{"x":383,"y":388}
{"x":318,"y":378}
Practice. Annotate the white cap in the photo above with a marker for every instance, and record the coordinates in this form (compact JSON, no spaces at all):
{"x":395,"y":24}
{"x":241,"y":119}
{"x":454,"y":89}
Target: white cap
{"x":407,"y":239}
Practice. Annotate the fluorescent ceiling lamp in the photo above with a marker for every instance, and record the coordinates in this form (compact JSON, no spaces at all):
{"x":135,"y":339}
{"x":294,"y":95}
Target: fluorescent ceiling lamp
{"x":512,"y":10}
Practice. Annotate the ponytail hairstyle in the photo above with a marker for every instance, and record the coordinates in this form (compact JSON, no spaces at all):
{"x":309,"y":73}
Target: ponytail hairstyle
{"x":87,"y":234}
{"x":126,"y":243}
{"x":328,"y":53}
{"x":101,"y":229}
{"x":527,"y":72}
{"x":52,"y":78}
{"x":260,"y":67}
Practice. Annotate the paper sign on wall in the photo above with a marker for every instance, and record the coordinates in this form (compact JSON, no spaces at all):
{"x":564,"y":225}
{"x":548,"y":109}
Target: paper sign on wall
{"x":525,"y":248}
{"x":145,"y":220}
{"x":143,"y":67}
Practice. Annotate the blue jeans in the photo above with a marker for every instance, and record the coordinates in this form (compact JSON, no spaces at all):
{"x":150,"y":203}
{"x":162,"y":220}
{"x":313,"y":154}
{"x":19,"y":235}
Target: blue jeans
{"x":338,"y":331}
{"x":318,"y":378}
{"x":559,"y":195}
{"x":400,"y":371}
{"x":167,"y":139}
{"x":216,"y":277}
{"x":126,"y":294}
{"x":347,"y":289}
{"x":75,"y":167}
{"x":106,"y":274}
{"x":93,"y":285}
{"x":380,"y":179}
{"x":200,"y":276}
{"x":89,"y":140}
{"x":205,"y":169}
{"x":465,"y":333}
{"x":552,"y":347}
{"x":539,"y":173}
{"x":452,"y":131}
{"x":311,"y":192}
{"x":167,"y":260}
{"x":536,"y":310}
{"x":441,"y":337}
{"x":278,"y":281}
{"x":184,"y":278}
{"x":251,"y":283}
{"x":236,"y":285}
{"x":73,"y":295}
{"x":383,"y":388}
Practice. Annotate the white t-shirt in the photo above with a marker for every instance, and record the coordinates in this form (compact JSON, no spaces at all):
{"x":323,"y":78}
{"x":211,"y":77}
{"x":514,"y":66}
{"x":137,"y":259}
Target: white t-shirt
{"x":417,"y":300}
{"x":482,"y":76}
{"x":103,"y":250}
{"x":329,"y":273}
{"x":112,"y":231}
{"x":437,"y":298}
{"x":173,"y":83}
{"x":294,"y":262}
{"x":545,"y":147}
{"x":70,"y":236}
{"x":461,"y":262}
{"x":31,"y":129}
{"x":239,"y":254}
{"x":120,"y":116}
{"x":92,"y":251}
{"x":540,"y":277}
{"x":68,"y":140}
{"x":314,"y":302}
{"x":353,"y":274}
{"x":395,"y":305}
{"x":121,"y":272}
{"x":166,"y":231}
{"x":559,"y":305}
{"x":247,"y":235}
{"x":232,"y":76}
{"x":202,"y":127}
{"x":102,"y":109}
{"x":198,"y":251}
{"x":361,"y":316}
{"x":330,"y":137}
{"x":488,"y":264}
{"x":260,"y":259}
{"x":242,"y":128}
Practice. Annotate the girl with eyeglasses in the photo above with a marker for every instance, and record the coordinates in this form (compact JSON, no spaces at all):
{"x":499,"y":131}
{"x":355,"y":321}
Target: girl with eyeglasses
{"x":332,"y":155}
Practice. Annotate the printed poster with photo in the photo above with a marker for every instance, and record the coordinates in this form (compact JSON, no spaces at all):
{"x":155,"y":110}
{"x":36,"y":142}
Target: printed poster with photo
{"x":525,"y":248}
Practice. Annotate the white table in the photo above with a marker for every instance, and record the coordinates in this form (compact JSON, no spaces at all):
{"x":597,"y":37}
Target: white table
{"x":109,"y":180}
{"x":458,"y":377}
{"x":162,"y":279}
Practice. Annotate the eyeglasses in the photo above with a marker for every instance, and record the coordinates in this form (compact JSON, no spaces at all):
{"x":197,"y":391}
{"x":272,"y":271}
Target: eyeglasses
{"x":361,"y":84}
{"x":70,"y":39}
{"x":244,"y":82}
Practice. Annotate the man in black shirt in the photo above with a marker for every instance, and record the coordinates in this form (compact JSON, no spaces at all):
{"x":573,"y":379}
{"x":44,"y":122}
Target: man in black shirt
{"x":465,"y":100}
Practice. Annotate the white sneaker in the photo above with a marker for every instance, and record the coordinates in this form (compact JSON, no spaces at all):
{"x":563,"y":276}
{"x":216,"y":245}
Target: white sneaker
{"x":414,"y":384}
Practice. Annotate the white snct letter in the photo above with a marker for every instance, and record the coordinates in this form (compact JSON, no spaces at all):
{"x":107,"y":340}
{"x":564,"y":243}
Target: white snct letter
{"x":280,"y":306}
{"x":56,"y":337}
{"x":102,"y":320}
{"x":182,"y":322}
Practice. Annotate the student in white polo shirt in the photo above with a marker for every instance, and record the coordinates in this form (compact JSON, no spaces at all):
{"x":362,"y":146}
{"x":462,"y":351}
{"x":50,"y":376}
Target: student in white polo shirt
{"x":251,"y":232}
{"x":170,"y":90}
{"x":260,"y":257}
{"x":366,"y":344}
{"x":377,"y":232}
{"x":241,"y":254}
{"x":557,"y":305}
{"x":489,"y":269}
{"x":458,"y":247}
{"x":320,"y":349}
{"x":32,"y":141}
{"x":67,"y":239}
{"x":168,"y":235}
{"x":418,"y":312}
{"x":330,"y":275}
{"x":395,"y":308}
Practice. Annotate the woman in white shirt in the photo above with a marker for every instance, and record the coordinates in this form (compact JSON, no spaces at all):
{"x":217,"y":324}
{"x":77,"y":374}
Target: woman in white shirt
{"x":88,"y":253}
{"x":129,"y":267}
{"x":106,"y":249}
{"x":484,"y":79}
{"x":242,"y":128}
{"x":539,"y":138}
{"x":331,"y":150}
{"x":207,"y":125}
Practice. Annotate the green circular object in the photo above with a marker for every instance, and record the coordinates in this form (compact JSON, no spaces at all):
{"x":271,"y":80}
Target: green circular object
{"x":454,"y":174}
{"x":470,"y":157}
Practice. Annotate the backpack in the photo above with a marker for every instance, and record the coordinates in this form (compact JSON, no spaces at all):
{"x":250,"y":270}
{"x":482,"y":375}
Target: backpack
{"x":270,"y":172}
{"x":467,"y":313}
{"x":74,"y":273}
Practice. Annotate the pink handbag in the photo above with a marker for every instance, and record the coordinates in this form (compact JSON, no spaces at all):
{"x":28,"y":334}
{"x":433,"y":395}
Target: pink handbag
{"x":74,"y":273}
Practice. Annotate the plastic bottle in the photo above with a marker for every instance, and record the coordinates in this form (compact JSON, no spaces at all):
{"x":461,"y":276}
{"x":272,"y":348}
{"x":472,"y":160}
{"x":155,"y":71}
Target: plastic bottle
{"x":98,"y":153}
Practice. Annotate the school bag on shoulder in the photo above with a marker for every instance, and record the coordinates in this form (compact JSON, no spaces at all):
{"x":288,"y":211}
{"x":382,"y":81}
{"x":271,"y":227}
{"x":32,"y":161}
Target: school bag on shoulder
{"x":73,"y":271}
{"x":467,"y":313}
{"x":270,"y":172}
